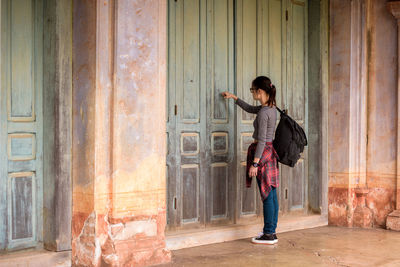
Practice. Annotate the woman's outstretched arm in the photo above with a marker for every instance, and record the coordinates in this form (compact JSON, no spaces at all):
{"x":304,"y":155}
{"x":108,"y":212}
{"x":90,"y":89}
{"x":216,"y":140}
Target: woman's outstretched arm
{"x":248,"y":108}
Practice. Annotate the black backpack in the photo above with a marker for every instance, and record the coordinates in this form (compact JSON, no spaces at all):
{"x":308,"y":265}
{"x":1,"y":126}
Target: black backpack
{"x":289,"y":141}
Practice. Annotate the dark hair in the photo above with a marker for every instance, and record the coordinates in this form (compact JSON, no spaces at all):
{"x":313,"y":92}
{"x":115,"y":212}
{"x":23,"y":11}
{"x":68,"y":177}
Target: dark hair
{"x":264,"y":83}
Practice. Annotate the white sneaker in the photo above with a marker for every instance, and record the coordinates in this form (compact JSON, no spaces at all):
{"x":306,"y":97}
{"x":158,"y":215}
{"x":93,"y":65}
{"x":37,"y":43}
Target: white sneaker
{"x":275,"y":238}
{"x":261,"y":233}
{"x":266,"y":239}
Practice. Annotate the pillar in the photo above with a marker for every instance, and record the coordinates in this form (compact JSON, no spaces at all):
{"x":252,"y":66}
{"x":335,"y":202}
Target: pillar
{"x":348,"y":115}
{"x":57,"y":122}
{"x":393,"y":219}
{"x":119,"y":182}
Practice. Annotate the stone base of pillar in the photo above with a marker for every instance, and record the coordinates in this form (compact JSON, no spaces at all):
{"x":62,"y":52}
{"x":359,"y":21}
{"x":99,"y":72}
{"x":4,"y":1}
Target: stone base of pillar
{"x":362,"y":217}
{"x":393,"y":221}
{"x":129,"y":241}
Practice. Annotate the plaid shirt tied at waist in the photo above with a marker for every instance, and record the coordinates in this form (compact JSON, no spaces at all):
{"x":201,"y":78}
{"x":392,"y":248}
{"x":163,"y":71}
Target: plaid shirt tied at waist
{"x":268,"y":171}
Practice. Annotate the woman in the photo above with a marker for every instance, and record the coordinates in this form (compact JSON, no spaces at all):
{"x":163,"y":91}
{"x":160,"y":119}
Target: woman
{"x":262,"y":160}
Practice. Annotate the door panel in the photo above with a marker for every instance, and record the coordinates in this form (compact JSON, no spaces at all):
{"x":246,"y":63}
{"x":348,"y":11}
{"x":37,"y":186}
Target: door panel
{"x":297,"y":57}
{"x":21,"y":95}
{"x":248,"y":195}
{"x":247,"y":57}
{"x":219,"y":190}
{"x":190,"y":62}
{"x":22,"y":198}
{"x":296,"y":186}
{"x":21,"y":123}
{"x":219,"y":50}
{"x":190,"y":192}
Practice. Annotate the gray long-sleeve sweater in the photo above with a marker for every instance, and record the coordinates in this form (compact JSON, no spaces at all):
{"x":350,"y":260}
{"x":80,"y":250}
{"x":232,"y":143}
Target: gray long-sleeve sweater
{"x":264,"y":124}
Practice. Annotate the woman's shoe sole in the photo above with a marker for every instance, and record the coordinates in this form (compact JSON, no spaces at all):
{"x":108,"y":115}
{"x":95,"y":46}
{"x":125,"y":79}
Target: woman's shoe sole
{"x":264,"y":242}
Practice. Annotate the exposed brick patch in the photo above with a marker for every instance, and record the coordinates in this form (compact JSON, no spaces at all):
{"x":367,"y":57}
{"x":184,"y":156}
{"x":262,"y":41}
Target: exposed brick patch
{"x":136,"y":242}
{"x":393,"y":221}
{"x":133,"y":218}
{"x":79,"y":219}
{"x":132,"y":242}
{"x":362,"y":216}
{"x":339,"y":212}
{"x":85,"y":247}
{"x":381,"y":202}
{"x":371,"y":210}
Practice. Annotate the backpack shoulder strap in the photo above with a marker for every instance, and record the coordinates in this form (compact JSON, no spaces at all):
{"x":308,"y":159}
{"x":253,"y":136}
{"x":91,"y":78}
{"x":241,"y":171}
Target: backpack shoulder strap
{"x":280,"y":111}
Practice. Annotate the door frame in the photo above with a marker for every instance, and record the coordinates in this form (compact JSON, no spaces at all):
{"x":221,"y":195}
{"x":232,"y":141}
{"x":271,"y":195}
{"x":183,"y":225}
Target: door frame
{"x":57,"y":125}
{"x":318,"y":86}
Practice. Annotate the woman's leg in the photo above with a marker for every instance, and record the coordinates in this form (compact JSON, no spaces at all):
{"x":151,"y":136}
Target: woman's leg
{"x":269,"y":211}
{"x":276,"y":208}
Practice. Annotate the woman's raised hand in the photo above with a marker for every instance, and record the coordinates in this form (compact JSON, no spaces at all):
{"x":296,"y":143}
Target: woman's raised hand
{"x":229,"y":95}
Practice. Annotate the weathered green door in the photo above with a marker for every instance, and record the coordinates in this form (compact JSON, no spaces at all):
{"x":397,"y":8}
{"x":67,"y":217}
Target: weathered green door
{"x":294,"y":180}
{"x":208,"y":137}
{"x":201,"y":176}
{"x":21,"y":124}
{"x":272,"y":41}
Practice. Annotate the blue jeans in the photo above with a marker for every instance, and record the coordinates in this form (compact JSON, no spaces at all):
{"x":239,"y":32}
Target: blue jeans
{"x":270,"y":210}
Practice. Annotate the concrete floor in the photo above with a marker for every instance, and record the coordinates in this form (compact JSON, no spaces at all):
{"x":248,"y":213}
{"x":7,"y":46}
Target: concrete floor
{"x":322,"y":246}
{"x":35,"y":258}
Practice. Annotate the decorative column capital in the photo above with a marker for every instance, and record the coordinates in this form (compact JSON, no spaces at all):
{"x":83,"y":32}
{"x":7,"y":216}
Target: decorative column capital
{"x":394,"y":8}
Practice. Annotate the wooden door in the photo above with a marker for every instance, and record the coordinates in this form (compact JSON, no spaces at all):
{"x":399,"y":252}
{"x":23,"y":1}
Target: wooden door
{"x":271,"y":41}
{"x":205,"y":142}
{"x":294,"y":180}
{"x":21,"y":124}
{"x":260,"y":51}
{"x":200,"y":122}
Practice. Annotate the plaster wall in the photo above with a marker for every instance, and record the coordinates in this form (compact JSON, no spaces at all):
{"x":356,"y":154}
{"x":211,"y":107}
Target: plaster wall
{"x":339,"y":93}
{"x":362,"y":194}
{"x":339,"y":107}
{"x":139,"y":110}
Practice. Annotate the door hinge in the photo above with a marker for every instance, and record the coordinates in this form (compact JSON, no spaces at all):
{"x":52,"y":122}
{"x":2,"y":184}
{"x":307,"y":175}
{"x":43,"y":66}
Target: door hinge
{"x":176,"y":110}
{"x":286,"y":192}
{"x":174,"y":203}
{"x":287,"y":15}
